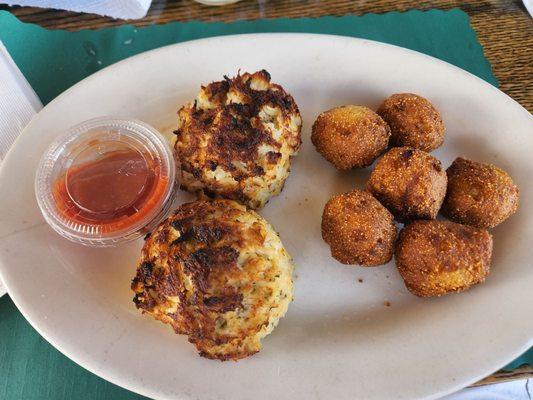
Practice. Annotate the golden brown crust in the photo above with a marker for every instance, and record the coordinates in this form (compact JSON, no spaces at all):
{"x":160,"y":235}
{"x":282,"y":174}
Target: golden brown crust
{"x":409,"y":182}
{"x":358,"y":229}
{"x":233,"y":138}
{"x":413,"y":120}
{"x":350,"y":136}
{"x":479,"y":194}
{"x":439,"y":257}
{"x":217,"y":273}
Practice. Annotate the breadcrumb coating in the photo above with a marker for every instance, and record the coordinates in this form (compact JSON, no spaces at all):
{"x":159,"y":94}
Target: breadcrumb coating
{"x":358,"y":229}
{"x":409,"y":182}
{"x":439,"y":257}
{"x":350,"y":136}
{"x":479,"y":194}
{"x":413,"y":120}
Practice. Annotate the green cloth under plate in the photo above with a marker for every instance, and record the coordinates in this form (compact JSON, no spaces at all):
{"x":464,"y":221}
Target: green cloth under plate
{"x":52,"y":61}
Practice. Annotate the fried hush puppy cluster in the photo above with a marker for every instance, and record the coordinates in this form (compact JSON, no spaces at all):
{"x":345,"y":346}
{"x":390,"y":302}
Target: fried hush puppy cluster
{"x":407,"y":184}
{"x":353,"y":136}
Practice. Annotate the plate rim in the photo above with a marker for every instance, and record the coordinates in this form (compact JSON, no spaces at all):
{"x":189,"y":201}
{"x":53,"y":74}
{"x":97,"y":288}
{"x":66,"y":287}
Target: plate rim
{"x":107,"y":374}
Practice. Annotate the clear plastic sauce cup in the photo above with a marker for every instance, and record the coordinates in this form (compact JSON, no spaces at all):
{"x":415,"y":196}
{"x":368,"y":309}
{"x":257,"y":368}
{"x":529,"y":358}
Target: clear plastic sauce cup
{"x":107,"y":181}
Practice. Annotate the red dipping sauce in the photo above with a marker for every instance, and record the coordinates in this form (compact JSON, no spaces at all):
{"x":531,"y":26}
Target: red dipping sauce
{"x":106,"y":185}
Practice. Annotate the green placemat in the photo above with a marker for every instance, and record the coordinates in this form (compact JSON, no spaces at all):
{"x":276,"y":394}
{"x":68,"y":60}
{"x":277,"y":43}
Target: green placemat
{"x":52,"y":61}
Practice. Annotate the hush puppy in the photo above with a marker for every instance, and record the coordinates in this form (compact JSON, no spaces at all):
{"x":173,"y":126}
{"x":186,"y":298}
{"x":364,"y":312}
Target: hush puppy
{"x":409,"y":182}
{"x":479,"y":194}
{"x":358,"y":229}
{"x":413,"y":120}
{"x":439,"y":257}
{"x":350,"y":136}
{"x":217,"y":273}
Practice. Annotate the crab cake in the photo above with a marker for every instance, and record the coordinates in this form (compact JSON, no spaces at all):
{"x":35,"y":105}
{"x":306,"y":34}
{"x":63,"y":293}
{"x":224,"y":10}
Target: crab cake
{"x":439,"y":257}
{"x":238,"y":138}
{"x":409,"y":182}
{"x":481,"y":195}
{"x":350,"y":136}
{"x":358,"y":229}
{"x":217,"y":273}
{"x":413,"y":120}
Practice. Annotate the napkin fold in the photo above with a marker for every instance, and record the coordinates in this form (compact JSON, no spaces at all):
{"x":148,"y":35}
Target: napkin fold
{"x":18,"y":101}
{"x":122,"y":9}
{"x":18,"y":105}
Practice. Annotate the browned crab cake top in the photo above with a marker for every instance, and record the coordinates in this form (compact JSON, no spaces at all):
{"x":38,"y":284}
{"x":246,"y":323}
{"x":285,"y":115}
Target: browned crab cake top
{"x":217,"y":273}
{"x":350,"y":136}
{"x":439,"y":257}
{"x":409,"y":182}
{"x":358,"y":229}
{"x":413,"y":120}
{"x":236,"y":140}
{"x":479,"y":194}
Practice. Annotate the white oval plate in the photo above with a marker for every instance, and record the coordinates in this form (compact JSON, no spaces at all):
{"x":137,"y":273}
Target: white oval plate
{"x":338,"y":340}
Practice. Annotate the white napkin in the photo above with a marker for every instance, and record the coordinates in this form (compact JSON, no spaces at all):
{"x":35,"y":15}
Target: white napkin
{"x":122,"y":9}
{"x":18,"y":104}
{"x":529,"y":6}
{"x":514,"y":390}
